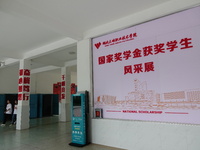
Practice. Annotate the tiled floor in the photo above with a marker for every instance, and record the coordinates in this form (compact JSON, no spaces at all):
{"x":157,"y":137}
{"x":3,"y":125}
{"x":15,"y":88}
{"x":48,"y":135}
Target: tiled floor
{"x":43,"y":134}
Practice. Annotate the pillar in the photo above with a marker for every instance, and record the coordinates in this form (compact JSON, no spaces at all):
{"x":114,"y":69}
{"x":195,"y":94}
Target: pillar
{"x":84,"y":76}
{"x":65,"y":94}
{"x":23,"y":109}
{"x":84,"y":73}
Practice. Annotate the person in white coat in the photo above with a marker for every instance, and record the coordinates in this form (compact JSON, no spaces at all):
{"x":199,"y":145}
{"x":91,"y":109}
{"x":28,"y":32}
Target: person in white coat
{"x":7,"y":113}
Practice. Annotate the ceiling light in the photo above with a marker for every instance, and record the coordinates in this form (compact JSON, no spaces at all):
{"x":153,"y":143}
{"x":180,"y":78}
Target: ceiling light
{"x":72,"y":53}
{"x":2,"y":63}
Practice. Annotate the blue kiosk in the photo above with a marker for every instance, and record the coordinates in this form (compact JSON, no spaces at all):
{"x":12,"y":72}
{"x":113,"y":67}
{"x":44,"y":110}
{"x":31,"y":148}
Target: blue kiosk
{"x":79,"y":119}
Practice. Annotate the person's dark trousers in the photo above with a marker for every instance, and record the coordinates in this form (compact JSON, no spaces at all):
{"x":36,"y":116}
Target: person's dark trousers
{"x":14,"y":116}
{"x":6,"y":117}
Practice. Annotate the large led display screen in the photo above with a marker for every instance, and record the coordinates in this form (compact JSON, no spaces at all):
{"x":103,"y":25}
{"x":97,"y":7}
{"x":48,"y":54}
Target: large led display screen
{"x":150,"y":71}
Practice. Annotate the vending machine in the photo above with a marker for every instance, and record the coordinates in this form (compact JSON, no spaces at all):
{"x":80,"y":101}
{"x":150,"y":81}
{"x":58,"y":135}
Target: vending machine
{"x":79,"y":119}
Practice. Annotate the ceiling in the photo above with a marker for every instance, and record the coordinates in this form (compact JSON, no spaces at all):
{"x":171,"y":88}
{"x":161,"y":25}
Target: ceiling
{"x":29,"y":26}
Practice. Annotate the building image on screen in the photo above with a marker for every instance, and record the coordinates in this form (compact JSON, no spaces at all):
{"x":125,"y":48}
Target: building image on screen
{"x":77,"y":106}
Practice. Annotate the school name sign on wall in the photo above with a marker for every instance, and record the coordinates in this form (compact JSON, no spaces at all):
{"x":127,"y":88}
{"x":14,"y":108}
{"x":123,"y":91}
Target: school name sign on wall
{"x":150,"y":71}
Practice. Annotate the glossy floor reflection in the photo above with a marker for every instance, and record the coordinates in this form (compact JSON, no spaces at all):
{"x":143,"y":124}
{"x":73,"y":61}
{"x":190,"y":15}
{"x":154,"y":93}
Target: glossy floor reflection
{"x":44,"y":134}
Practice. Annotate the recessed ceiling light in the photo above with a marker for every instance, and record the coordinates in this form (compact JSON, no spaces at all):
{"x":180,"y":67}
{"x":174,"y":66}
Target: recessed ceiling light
{"x":71,"y":53}
{"x":2,"y":63}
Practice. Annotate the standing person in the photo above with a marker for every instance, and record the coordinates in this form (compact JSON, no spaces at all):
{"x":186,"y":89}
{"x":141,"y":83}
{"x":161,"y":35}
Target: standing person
{"x":7,"y":113}
{"x":14,"y":116}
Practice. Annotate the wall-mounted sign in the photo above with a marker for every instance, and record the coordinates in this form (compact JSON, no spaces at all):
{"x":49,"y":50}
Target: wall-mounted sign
{"x":24,"y":85}
{"x":150,"y":71}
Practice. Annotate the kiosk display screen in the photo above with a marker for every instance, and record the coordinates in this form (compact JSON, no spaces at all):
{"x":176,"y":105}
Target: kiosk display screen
{"x":77,"y":106}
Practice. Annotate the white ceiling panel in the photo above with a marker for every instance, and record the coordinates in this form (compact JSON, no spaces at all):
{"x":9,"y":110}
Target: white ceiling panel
{"x":26,"y":25}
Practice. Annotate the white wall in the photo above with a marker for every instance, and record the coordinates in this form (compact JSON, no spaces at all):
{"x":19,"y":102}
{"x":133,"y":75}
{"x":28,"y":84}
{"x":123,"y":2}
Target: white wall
{"x":9,"y":79}
{"x":127,"y":134}
{"x":140,"y":135}
{"x":40,"y":82}
{"x":74,"y":77}
{"x":43,"y":82}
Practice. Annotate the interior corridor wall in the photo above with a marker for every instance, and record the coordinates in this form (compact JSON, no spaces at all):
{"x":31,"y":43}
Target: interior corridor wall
{"x":129,"y":134}
{"x":74,"y":77}
{"x":9,"y":79}
{"x":40,"y":82}
{"x":43,"y":82}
